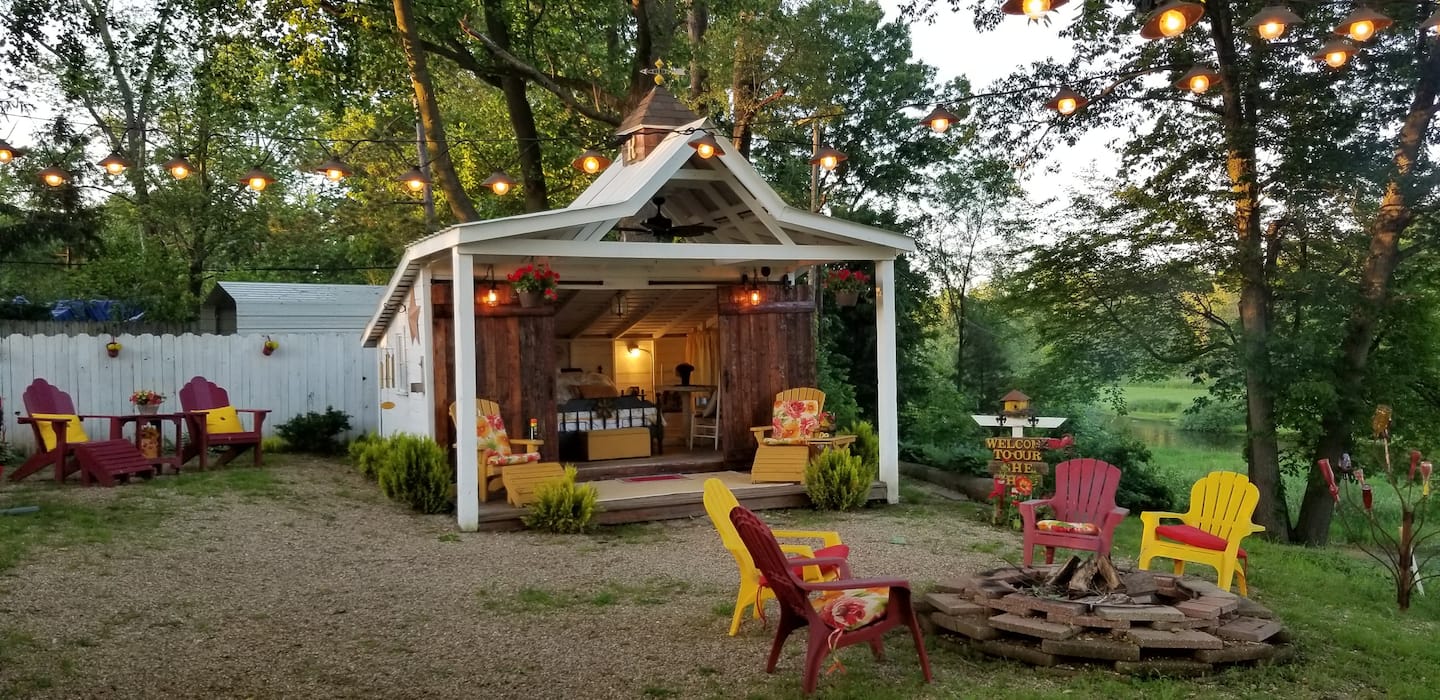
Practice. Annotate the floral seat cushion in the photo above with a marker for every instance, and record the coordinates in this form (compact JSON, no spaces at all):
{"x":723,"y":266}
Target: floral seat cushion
{"x":793,"y":422}
{"x":851,"y":608}
{"x":1060,"y":526}
{"x":494,"y":443}
{"x":495,"y":460}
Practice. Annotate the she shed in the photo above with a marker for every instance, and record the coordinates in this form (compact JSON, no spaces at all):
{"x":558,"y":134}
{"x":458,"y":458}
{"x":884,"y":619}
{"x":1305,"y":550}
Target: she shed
{"x":630,"y":308}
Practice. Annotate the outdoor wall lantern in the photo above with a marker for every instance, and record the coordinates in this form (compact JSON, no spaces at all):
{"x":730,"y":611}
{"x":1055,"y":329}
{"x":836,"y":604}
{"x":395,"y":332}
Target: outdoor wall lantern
{"x":707,"y":147}
{"x":591,"y":162}
{"x":499,"y":183}
{"x":179,"y":167}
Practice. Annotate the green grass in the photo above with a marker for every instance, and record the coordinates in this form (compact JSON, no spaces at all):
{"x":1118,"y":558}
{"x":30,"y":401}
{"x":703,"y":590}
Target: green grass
{"x":532,"y":599}
{"x":1164,"y":401}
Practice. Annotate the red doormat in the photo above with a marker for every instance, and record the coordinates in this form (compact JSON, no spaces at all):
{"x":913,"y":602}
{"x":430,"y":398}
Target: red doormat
{"x":657,"y":477}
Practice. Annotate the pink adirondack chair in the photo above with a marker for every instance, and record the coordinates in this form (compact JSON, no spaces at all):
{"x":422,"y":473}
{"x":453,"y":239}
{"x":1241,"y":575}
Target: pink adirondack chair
{"x":1085,"y":510}
{"x":846,"y":611}
{"x":61,"y":443}
{"x":200,"y":398}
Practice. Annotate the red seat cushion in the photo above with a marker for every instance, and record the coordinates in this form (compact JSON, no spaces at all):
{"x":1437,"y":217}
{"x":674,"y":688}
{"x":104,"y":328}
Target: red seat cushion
{"x":1195,"y":537}
{"x":839,"y":551}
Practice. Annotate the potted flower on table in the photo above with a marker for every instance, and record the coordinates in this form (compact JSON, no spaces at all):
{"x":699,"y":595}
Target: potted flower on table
{"x":533,"y":283}
{"x":847,"y":285}
{"x":147,"y":401}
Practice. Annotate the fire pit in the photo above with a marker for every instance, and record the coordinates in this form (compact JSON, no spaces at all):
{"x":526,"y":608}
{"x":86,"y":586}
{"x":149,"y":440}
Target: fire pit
{"x":1088,"y":612}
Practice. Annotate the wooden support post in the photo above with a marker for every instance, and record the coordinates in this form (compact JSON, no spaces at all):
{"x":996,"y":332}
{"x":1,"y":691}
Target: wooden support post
{"x":467,"y":481}
{"x":887,"y":400}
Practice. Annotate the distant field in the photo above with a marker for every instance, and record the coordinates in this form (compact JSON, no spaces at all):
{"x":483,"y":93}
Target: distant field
{"x":1163,"y":401}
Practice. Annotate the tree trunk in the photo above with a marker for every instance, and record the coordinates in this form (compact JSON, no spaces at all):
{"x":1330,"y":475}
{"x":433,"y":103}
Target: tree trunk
{"x":640,"y":85}
{"x":1240,"y":93}
{"x":742,"y":89}
{"x":697,"y":22}
{"x":444,"y":169}
{"x":522,"y":116}
{"x":1394,"y":217}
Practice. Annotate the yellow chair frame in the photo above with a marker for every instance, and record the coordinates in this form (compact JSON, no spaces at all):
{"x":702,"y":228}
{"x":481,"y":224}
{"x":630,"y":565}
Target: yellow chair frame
{"x":719,"y":501}
{"x":490,"y":475}
{"x":783,"y":463}
{"x":1221,"y":504}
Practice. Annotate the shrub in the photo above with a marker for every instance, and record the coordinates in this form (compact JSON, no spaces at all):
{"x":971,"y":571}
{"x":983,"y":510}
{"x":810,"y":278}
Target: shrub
{"x":315,"y":432}
{"x":1141,"y":487}
{"x":1210,"y":416}
{"x":562,"y":506}
{"x":415,"y":470}
{"x":274,"y":443}
{"x":867,"y":444}
{"x":368,"y":453}
{"x":838,"y":480}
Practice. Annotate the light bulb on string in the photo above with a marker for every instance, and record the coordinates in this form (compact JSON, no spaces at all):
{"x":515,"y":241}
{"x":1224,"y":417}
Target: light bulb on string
{"x":114,"y":163}
{"x":53,"y":176}
{"x":707,"y":147}
{"x":939,"y":119}
{"x":415,"y":179}
{"x":1335,"y":53}
{"x":499,"y":183}
{"x":828,"y":158}
{"x":1067,"y":102}
{"x":1198,"y":80}
{"x":590,"y":162}
{"x":1271,"y":22}
{"x":1033,"y":9}
{"x":257,"y":179}
{"x":7,"y":152}
{"x":334,"y":170}
{"x":1362,"y":24}
{"x":1171,"y":19}
{"x":179,"y":167}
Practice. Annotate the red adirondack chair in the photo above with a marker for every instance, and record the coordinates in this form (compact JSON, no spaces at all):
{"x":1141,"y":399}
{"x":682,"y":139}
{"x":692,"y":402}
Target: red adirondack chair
{"x":851,"y":600}
{"x":61,"y":442}
{"x":1085,"y":510}
{"x":213,"y":422}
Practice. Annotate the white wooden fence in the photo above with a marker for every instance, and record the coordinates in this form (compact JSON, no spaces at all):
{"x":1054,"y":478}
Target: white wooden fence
{"x":309,"y":372}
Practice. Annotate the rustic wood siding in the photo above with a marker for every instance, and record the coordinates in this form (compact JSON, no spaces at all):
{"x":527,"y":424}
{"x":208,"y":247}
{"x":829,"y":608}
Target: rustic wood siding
{"x":764,"y":349}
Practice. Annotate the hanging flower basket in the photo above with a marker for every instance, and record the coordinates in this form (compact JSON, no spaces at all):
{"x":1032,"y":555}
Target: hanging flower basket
{"x":534,"y":284}
{"x":847,"y":285}
{"x":112,"y":348}
{"x":269,"y":347}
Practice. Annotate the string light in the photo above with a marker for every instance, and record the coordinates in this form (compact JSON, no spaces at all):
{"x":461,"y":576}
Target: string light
{"x":1171,"y":19}
{"x":1432,"y":23}
{"x":1362,"y":24}
{"x":1067,"y":102}
{"x":1335,"y":53}
{"x":415,"y":179}
{"x":591,"y":162}
{"x":1271,"y":22}
{"x":1198,"y":79}
{"x":7,"y":152}
{"x":257,"y":179}
{"x":334,"y":170}
{"x":114,"y":163}
{"x":499,"y":183}
{"x":828,"y":158}
{"x":179,"y":167}
{"x":707,"y":147}
{"x":939,"y":119}
{"x":53,"y":176}
{"x":1034,"y":9}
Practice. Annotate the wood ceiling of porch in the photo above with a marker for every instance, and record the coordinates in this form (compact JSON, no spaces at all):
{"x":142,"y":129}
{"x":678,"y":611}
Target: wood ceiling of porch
{"x":647,"y":313}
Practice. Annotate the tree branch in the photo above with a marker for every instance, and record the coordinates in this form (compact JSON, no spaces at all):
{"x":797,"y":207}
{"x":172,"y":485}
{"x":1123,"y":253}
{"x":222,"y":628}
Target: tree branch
{"x":533,"y":74}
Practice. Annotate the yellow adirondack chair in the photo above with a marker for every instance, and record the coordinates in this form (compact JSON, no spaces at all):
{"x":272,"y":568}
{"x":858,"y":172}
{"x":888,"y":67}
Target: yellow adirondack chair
{"x":783,"y":447}
{"x":1221,"y":505}
{"x":495,"y":446}
{"x":719,"y":501}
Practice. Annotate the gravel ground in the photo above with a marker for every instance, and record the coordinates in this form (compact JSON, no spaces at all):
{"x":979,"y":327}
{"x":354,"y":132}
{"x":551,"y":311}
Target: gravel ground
{"x":320,"y":588}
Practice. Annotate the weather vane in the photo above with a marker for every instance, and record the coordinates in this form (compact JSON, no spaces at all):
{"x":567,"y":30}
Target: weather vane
{"x":660,"y":71}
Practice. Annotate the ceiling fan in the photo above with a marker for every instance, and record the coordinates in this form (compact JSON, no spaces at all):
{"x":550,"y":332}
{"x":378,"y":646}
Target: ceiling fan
{"x":661,"y":226}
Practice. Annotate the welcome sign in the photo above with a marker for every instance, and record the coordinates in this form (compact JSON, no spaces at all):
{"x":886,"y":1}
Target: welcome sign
{"x":1018,"y":461}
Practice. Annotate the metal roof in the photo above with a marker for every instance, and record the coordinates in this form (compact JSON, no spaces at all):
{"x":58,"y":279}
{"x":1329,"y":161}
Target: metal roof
{"x":281,"y":307}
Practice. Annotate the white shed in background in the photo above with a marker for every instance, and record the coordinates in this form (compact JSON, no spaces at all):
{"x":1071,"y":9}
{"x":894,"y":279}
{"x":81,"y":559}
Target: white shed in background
{"x":283,"y":307}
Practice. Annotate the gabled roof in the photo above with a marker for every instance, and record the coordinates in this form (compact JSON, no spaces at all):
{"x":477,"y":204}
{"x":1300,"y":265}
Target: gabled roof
{"x":752,"y":222}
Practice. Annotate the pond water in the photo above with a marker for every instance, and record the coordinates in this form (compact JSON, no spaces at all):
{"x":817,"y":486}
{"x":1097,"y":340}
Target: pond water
{"x":1160,"y":433}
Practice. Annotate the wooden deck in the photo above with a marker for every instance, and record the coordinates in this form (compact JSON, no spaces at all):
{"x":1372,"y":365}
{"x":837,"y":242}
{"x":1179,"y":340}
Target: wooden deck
{"x":625,"y":500}
{"x":674,"y":461}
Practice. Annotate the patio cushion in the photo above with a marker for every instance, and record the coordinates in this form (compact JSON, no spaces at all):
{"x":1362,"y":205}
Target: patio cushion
{"x":1195,"y":537}
{"x":493,"y":440}
{"x":495,"y":460}
{"x":222,"y":420}
{"x":851,"y":608}
{"x":1064,"y":527}
{"x":794,"y":419}
{"x":74,"y":429}
{"x":787,"y":441}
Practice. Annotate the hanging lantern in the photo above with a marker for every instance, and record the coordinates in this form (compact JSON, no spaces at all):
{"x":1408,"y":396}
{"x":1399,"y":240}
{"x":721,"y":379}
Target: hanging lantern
{"x":1034,"y":9}
{"x":591,"y":162}
{"x":1067,"y":102}
{"x":754,"y":295}
{"x":828,"y":158}
{"x":1335,"y":53}
{"x":939,"y":119}
{"x":114,"y":163}
{"x":53,"y":176}
{"x":1171,"y":18}
{"x":7,"y":152}
{"x":1432,"y":23}
{"x":707,"y":147}
{"x":1362,"y":24}
{"x":179,"y":168}
{"x":334,"y":170}
{"x":257,"y":179}
{"x":499,"y":182}
{"x":1271,"y":22}
{"x":415,"y":179}
{"x":1198,"y":79}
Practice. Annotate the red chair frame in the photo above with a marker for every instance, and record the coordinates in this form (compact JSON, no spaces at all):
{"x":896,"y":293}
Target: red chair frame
{"x":201,"y":394}
{"x":797,"y":612}
{"x":1085,"y":493}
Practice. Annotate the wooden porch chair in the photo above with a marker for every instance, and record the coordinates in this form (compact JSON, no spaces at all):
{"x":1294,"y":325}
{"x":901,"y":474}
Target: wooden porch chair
{"x":61,"y":442}
{"x":706,"y":424}
{"x":495,"y":450}
{"x":837,"y":613}
{"x":1210,"y":532}
{"x":1084,"y":507}
{"x":783,"y":447}
{"x":754,"y":591}
{"x":213,"y":422}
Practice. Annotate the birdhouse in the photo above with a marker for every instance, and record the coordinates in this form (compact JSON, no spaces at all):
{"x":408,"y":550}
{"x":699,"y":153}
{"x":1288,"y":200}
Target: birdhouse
{"x":1015,"y":403}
